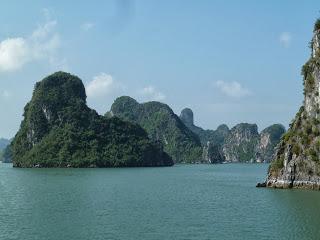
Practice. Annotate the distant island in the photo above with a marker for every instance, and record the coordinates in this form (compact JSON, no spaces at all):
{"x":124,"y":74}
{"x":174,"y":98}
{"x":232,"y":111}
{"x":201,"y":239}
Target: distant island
{"x":5,"y":154}
{"x":162,"y":125}
{"x":296,"y":163}
{"x":60,"y":130}
{"x":242,"y":143}
{"x":188,"y":143}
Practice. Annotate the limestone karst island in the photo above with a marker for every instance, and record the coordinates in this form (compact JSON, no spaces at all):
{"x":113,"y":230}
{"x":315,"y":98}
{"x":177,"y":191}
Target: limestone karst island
{"x":149,"y":120}
{"x":296,"y":162}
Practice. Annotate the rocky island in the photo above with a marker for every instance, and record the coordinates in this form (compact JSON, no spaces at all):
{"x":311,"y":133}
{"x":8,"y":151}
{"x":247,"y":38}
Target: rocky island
{"x":296,"y":163}
{"x":162,"y":125}
{"x":211,"y":140}
{"x":5,"y":154}
{"x":60,"y":130}
{"x":242,"y":143}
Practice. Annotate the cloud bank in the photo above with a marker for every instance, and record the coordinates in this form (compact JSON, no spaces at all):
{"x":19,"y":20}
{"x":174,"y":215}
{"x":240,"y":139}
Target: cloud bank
{"x":232,"y":89}
{"x":150,"y":93}
{"x":41,"y":44}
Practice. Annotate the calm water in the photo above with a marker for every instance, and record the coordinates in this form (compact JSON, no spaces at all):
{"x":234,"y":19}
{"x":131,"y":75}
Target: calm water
{"x":182,"y":202}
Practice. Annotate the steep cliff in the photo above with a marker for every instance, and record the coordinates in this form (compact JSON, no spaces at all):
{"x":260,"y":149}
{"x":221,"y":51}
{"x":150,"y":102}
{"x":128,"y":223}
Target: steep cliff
{"x":59,"y":130}
{"x":269,"y":138}
{"x":4,"y":143}
{"x":297,"y":159}
{"x":162,"y":125}
{"x":6,"y":155}
{"x":211,"y":140}
{"x":5,"y":150}
{"x":240,"y":145}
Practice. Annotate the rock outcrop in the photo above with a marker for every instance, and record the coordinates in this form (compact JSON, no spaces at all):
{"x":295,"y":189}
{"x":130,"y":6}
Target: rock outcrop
{"x":60,"y":130}
{"x":4,"y":143}
{"x":269,"y":138}
{"x":211,"y":140}
{"x":162,"y":125}
{"x":296,"y":163}
{"x":5,"y":155}
{"x":240,"y":145}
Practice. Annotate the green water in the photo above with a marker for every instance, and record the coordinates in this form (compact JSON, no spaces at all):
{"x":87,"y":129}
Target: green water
{"x":181,"y":202}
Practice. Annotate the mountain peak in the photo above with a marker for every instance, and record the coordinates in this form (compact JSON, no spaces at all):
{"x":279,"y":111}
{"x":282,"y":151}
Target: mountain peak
{"x":187,"y":116}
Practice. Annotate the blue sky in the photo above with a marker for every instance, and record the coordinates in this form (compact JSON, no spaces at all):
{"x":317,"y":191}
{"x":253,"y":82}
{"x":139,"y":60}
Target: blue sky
{"x":230,"y":61}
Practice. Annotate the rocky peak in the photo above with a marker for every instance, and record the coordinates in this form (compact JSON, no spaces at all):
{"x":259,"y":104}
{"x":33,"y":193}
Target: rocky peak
{"x":162,"y":125}
{"x":269,"y":138}
{"x":311,"y":77}
{"x":223,"y":128}
{"x":240,"y":144}
{"x":296,"y":162}
{"x":187,"y":116}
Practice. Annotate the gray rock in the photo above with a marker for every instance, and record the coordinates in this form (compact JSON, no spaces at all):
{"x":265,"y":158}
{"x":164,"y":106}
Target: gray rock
{"x":296,"y":163}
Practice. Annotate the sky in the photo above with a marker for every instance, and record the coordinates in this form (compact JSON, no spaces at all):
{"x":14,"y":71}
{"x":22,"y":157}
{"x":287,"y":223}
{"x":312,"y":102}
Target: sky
{"x":230,"y":61}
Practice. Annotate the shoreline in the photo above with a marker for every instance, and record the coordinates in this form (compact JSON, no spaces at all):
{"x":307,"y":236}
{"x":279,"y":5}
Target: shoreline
{"x":287,"y":184}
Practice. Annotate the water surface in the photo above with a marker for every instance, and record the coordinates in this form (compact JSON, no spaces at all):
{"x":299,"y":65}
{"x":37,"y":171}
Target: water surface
{"x":180,"y":202}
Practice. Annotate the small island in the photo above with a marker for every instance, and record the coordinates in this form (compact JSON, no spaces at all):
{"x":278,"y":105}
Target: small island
{"x":60,"y":130}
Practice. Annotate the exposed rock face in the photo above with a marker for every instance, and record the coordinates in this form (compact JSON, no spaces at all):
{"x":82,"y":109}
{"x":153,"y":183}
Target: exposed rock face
{"x":297,"y":159}
{"x":4,"y":143}
{"x":212,"y":153}
{"x":269,"y":138}
{"x":5,"y":153}
{"x":240,"y":144}
{"x":187,"y":116}
{"x":211,"y":140}
{"x":59,"y":130}
{"x":162,"y":125}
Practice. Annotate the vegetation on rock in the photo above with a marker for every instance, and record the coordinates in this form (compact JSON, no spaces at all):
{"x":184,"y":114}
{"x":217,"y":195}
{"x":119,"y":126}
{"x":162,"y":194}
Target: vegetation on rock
{"x":240,"y":144}
{"x":59,"y":130}
{"x":162,"y":125}
{"x":269,"y":139}
{"x":297,"y":160}
{"x":211,"y":140}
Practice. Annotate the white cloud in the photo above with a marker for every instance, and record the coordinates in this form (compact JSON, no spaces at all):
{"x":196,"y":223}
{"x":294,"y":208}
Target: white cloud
{"x":5,"y":94}
{"x":13,"y":54}
{"x":87,"y":26}
{"x":40,"y":45}
{"x":285,"y":39}
{"x":151,"y":93}
{"x":232,"y":89}
{"x":101,"y":85}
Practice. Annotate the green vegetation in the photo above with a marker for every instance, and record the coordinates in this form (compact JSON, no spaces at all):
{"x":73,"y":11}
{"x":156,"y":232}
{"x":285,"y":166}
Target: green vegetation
{"x":240,"y":145}
{"x":59,"y":130}
{"x":317,"y":25}
{"x":212,"y":140}
{"x":6,"y":154}
{"x":162,"y":125}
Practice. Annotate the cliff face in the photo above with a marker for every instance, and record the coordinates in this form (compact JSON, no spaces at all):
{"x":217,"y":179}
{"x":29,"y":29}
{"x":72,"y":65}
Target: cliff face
{"x":211,"y":140}
{"x":269,"y":138}
{"x":5,"y":150}
{"x":162,"y":125}
{"x":4,"y":143}
{"x":240,"y":144}
{"x":297,"y":159}
{"x":59,"y":130}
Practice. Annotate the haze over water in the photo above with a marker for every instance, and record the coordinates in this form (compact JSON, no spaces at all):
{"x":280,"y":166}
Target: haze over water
{"x":182,"y":202}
